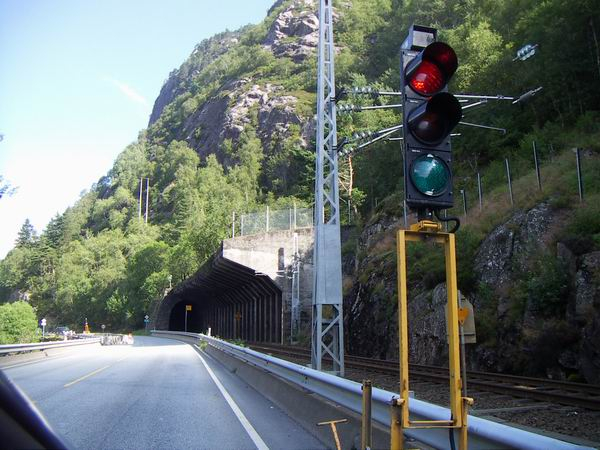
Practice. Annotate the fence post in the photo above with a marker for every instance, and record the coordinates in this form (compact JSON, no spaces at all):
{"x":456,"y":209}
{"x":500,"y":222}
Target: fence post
{"x":579,"y":178}
{"x":267,"y":226}
{"x":479,"y":192}
{"x":510,"y":192}
{"x":233,"y":226}
{"x":537,"y":166}
{"x":295,"y":217}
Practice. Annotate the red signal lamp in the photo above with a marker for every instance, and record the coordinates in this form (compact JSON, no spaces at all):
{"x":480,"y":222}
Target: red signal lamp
{"x":432,"y":121}
{"x":431,"y":70}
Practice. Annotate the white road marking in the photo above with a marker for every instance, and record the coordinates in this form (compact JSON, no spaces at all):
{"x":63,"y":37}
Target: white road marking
{"x":260,"y":444}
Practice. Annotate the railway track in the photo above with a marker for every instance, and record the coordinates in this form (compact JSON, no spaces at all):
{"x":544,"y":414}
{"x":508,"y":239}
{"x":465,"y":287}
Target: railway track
{"x":538,"y":389}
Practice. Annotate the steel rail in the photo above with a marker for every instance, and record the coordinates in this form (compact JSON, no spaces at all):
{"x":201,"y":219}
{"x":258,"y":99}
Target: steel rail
{"x":524,"y":387}
{"x":21,"y":348}
{"x":483,"y":434}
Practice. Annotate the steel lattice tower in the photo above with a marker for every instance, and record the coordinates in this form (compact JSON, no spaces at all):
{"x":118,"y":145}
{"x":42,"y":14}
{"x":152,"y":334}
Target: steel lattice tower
{"x":327,"y":311}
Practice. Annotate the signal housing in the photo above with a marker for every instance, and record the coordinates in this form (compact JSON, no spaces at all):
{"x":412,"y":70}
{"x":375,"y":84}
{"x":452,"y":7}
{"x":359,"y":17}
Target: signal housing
{"x":429,"y":115}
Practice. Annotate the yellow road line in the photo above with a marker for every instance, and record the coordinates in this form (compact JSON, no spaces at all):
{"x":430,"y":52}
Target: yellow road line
{"x":86,"y":376}
{"x":92,"y":373}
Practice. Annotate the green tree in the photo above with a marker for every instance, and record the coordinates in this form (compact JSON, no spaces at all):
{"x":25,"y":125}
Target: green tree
{"x":15,"y":271}
{"x":55,"y":231}
{"x":18,"y":323}
{"x":26,"y":235}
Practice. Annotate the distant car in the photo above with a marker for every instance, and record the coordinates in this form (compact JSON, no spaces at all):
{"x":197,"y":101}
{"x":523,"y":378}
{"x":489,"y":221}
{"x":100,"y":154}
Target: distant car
{"x":63,"y":331}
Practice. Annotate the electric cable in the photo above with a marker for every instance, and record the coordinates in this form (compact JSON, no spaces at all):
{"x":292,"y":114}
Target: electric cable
{"x":448,"y":219}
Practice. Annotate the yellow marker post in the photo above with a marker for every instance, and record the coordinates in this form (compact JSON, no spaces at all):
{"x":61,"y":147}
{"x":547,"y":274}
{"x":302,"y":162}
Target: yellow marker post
{"x":187,"y":308}
{"x":430,"y":231}
{"x":367,"y":431}
{"x":333,"y":424}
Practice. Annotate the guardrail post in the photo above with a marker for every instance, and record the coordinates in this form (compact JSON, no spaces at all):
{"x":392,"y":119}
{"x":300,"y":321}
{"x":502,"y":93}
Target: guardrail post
{"x":396,"y":433}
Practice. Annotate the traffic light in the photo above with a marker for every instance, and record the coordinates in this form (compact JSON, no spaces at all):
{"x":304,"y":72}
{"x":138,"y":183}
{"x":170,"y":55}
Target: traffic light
{"x":430,"y":113}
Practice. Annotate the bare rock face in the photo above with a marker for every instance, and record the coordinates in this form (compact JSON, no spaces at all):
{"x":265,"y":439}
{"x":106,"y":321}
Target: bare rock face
{"x":531,"y":340}
{"x":590,"y":351}
{"x":276,"y":112}
{"x":587,"y":313}
{"x":508,"y":247}
{"x":240,"y":102}
{"x":225,"y":116}
{"x":587,"y":281}
{"x":295,"y":32}
{"x":427,"y":333}
{"x":180,"y":79}
{"x":371,"y":304}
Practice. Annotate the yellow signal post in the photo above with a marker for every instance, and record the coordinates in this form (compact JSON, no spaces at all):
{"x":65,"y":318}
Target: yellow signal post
{"x":420,"y":232}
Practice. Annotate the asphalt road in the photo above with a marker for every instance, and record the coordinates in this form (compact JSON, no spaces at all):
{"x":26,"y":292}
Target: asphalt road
{"x":156,"y":394}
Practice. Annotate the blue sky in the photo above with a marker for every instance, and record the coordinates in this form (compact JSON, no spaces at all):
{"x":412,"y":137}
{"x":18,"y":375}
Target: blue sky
{"x":78,"y":79}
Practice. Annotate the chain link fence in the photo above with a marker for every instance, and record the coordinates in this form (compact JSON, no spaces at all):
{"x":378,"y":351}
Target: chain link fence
{"x":271,"y":220}
{"x":530,"y":179}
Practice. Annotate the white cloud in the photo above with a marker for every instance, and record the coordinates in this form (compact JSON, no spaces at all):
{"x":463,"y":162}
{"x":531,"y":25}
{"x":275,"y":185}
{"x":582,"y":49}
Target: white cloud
{"x":128,"y":91}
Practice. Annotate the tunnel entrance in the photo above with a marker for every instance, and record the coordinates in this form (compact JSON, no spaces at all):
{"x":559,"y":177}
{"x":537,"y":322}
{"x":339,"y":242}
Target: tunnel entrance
{"x":230,"y":299}
{"x":194,"y":318}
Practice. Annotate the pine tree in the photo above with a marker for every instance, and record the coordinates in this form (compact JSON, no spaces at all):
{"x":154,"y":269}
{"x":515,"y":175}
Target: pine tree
{"x":55,"y":231}
{"x":27,"y":235}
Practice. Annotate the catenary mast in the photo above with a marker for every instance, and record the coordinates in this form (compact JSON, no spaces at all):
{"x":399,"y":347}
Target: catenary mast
{"x":327,"y":311}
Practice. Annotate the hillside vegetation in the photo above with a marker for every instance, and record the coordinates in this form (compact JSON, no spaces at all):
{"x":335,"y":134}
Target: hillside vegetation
{"x":232,"y":130}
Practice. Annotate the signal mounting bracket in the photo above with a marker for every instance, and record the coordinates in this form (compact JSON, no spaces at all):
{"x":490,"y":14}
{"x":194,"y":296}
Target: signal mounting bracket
{"x":426,"y":226}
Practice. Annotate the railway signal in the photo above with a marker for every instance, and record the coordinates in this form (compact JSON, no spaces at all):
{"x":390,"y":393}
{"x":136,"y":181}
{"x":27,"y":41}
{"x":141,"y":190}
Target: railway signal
{"x":430,"y":114}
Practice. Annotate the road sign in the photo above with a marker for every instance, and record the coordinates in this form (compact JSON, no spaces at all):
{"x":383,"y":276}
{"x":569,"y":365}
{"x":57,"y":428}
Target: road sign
{"x":146,"y":317}
{"x":188,"y":307}
{"x":103,"y":327}
{"x":43,"y":322}
{"x":146,"y":320}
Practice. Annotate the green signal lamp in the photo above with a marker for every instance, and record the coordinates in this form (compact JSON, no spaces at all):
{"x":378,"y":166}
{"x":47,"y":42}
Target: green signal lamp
{"x":430,"y":175}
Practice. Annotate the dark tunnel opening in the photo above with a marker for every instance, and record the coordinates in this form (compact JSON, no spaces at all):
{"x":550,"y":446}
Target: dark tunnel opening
{"x":230,"y":299}
{"x":194,"y":318}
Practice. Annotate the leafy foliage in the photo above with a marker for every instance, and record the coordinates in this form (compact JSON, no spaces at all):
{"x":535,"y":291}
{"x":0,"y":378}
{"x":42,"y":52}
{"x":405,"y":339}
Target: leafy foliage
{"x":17,"y":323}
{"x":100,"y":260}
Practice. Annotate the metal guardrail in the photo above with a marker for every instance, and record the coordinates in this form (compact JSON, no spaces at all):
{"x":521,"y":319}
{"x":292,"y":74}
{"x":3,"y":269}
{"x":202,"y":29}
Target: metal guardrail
{"x":483,"y":434}
{"x":20,"y":348}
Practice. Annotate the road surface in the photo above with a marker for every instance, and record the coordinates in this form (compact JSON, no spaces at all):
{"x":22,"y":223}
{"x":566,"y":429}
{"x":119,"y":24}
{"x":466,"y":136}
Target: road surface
{"x":156,"y":394}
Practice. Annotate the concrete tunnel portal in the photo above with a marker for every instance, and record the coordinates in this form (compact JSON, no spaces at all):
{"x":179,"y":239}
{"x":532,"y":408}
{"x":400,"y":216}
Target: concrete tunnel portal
{"x":230,"y":299}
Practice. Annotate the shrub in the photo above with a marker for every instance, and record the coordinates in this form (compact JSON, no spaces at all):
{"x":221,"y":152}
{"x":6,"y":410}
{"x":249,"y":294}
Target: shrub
{"x":18,"y":323}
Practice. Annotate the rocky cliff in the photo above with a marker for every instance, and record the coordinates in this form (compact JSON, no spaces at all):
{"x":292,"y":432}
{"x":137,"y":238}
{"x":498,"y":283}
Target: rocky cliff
{"x":536,"y":301}
{"x":199,"y":106}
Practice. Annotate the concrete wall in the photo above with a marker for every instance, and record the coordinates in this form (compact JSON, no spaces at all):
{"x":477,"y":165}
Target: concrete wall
{"x":272,"y":253}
